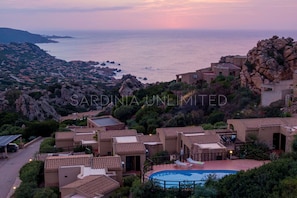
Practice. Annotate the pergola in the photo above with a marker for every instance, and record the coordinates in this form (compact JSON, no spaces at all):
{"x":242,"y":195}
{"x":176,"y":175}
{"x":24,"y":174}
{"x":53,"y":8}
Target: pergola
{"x":5,"y":140}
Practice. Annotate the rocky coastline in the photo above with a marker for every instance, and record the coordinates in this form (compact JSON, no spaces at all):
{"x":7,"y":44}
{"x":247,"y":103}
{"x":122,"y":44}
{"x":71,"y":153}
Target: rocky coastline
{"x":40,"y":86}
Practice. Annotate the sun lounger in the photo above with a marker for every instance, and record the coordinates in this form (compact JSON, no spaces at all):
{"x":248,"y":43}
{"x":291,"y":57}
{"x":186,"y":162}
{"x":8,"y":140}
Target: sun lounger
{"x":182,"y":164}
{"x":191,"y":161}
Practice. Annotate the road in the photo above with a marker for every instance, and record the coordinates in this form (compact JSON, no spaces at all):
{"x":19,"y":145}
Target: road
{"x":9,"y":168}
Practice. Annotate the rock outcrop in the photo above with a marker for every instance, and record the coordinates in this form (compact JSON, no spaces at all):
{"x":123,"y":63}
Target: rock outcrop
{"x":129,"y":84}
{"x":35,"y":109}
{"x":42,"y":104}
{"x":272,"y":60}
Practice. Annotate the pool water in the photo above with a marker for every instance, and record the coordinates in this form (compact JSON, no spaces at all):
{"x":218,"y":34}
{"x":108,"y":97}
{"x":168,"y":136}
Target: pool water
{"x":174,"y":178}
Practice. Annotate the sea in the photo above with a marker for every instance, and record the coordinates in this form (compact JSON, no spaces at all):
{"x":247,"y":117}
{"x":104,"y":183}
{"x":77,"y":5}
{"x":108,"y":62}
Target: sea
{"x":156,"y":55}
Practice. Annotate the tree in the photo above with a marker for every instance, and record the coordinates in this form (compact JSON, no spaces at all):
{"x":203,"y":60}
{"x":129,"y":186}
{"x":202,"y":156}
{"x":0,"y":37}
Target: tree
{"x":8,"y":129}
{"x":216,"y":117}
{"x":269,"y":180}
{"x":44,"y":129}
{"x":25,"y":190}
{"x":204,"y":192}
{"x":11,"y":118}
{"x":288,"y":187}
{"x":12,"y":95}
{"x":45,"y":193}
{"x":124,"y":112}
{"x":137,"y":188}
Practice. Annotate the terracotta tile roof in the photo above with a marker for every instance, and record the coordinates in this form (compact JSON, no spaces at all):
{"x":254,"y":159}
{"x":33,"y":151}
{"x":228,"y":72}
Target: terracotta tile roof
{"x":64,"y":135}
{"x":106,"y":135}
{"x":188,"y":73}
{"x":217,"y":131}
{"x":208,"y":69}
{"x":75,"y":116}
{"x":87,"y":129}
{"x":228,"y":65}
{"x":256,"y":123}
{"x":80,"y":137}
{"x":149,"y":138}
{"x":129,"y":148}
{"x":109,"y":162}
{"x":54,"y":162}
{"x":202,"y":139}
{"x":172,"y":131}
{"x":209,"y":74}
{"x":92,"y":186}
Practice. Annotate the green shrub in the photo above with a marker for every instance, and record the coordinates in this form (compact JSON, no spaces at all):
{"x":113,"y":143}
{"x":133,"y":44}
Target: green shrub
{"x":274,"y":179}
{"x":122,"y":192}
{"x":202,"y":191}
{"x":128,"y":181}
{"x":45,"y":193}
{"x":32,"y":172}
{"x":48,"y":146}
{"x":257,"y":151}
{"x":162,"y":157}
{"x":215,"y":117}
{"x":81,"y":148}
{"x":25,"y":190}
{"x":207,"y":126}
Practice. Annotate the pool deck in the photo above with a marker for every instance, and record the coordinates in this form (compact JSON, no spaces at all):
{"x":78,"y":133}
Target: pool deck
{"x":239,"y":164}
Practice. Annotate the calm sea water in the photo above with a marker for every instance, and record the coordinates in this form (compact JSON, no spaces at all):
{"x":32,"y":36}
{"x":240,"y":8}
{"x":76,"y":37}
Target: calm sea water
{"x":157,"y":55}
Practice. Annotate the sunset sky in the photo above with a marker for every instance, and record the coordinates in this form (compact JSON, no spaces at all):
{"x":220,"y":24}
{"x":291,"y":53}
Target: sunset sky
{"x":148,"y":14}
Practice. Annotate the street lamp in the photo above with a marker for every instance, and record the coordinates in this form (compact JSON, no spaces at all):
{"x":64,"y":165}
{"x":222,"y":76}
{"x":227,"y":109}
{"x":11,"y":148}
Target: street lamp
{"x":230,"y":152}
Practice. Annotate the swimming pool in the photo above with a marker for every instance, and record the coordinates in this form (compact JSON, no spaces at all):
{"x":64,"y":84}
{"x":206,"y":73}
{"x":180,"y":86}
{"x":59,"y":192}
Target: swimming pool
{"x":176,"y":178}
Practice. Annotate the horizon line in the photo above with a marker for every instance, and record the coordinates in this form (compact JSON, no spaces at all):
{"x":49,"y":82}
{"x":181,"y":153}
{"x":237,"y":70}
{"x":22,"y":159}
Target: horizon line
{"x":159,"y":29}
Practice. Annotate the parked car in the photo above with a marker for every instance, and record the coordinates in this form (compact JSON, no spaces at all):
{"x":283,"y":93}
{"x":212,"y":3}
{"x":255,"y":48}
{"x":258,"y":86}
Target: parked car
{"x":12,"y":147}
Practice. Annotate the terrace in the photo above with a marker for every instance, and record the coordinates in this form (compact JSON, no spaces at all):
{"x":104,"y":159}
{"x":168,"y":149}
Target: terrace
{"x":219,"y":168}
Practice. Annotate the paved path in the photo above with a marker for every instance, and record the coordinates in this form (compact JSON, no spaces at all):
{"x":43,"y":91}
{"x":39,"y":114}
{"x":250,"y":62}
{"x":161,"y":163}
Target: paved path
{"x":9,"y":168}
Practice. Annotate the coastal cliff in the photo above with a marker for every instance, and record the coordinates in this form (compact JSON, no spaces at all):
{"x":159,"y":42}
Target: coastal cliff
{"x":8,"y":35}
{"x":272,"y":60}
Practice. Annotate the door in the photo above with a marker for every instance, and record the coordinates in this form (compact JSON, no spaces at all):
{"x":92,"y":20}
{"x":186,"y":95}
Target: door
{"x":275,"y":141}
{"x":283,"y":142}
{"x":129,"y":163}
{"x":137,"y":163}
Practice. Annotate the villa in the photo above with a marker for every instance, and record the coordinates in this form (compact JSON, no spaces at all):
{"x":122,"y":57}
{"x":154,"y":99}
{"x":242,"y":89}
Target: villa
{"x":194,"y":142}
{"x":80,"y":175}
{"x":76,"y":137}
{"x":133,"y":147}
{"x":277,"y":133}
{"x":231,"y":66}
{"x":121,"y":152}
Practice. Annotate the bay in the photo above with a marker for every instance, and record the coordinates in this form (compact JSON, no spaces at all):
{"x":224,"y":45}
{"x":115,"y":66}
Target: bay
{"x":158,"y":55}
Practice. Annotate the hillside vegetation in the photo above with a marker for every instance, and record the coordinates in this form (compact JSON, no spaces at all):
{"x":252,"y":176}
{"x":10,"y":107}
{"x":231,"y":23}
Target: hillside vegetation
{"x":175,"y":104}
{"x":8,"y":35}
